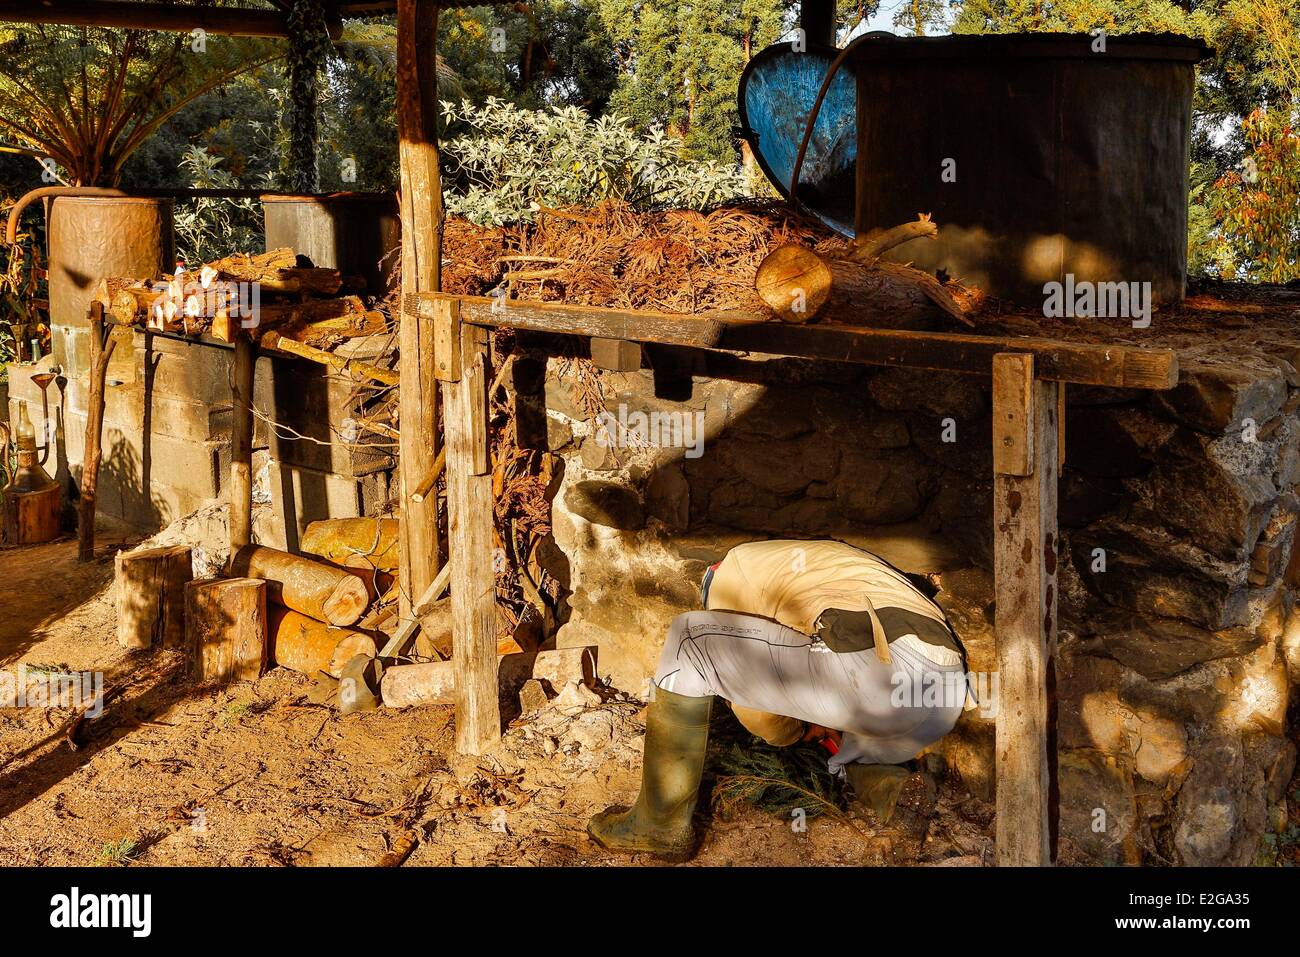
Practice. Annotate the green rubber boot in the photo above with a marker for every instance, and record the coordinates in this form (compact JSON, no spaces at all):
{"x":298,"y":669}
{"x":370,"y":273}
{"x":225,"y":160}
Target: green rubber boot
{"x":659,"y":823}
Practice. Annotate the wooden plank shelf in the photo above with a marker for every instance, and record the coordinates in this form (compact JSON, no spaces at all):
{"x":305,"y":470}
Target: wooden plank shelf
{"x":1055,"y":360}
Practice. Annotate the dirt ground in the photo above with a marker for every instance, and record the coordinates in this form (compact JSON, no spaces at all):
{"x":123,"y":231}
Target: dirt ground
{"x":255,"y":774}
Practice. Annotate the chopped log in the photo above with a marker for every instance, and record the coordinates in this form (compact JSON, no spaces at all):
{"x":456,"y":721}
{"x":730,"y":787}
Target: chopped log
{"x":226,"y":620}
{"x":309,"y":281}
{"x":336,"y":539}
{"x":101,"y":351}
{"x":125,"y":301}
{"x":151,"y":596}
{"x":396,"y":645}
{"x":324,"y":592}
{"x":244,"y":267}
{"x":377,"y":580}
{"x":352,"y":368}
{"x":129,"y":302}
{"x":434,"y":682}
{"x":312,"y":647}
{"x":353,"y":325}
{"x":435,"y":637}
{"x":285,"y":318}
{"x":801,"y":285}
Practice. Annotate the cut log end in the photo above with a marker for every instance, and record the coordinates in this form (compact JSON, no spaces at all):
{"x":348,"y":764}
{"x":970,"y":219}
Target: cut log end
{"x":348,"y":601}
{"x":794,"y":281}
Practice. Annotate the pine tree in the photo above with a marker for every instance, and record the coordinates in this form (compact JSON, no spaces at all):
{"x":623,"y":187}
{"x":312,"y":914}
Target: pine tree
{"x":679,"y":62}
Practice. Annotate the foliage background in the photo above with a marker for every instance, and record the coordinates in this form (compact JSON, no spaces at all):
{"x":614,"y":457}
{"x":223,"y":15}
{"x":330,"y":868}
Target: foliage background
{"x":653,"y":87}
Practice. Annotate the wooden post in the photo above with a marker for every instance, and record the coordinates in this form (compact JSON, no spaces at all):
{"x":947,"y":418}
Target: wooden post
{"x":1024,"y":572}
{"x":817,"y":18}
{"x":101,"y":350}
{"x":469,"y":507}
{"x":241,"y":444}
{"x":151,"y":596}
{"x":226,"y":622}
{"x":421,"y":213}
{"x":617,"y":355}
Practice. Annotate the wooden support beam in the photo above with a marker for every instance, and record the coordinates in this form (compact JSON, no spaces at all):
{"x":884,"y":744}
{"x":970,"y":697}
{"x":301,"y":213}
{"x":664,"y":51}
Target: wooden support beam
{"x":1058,"y":360}
{"x":446,"y":340}
{"x":469,"y":509}
{"x":703,"y":331}
{"x":101,"y":350}
{"x":1024,"y":573}
{"x":617,"y":355}
{"x":171,"y":17}
{"x":421,"y":215}
{"x":240,"y":493}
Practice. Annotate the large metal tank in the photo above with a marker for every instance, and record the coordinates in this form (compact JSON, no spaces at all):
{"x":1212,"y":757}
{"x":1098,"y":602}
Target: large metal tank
{"x":1062,"y":154}
{"x":91,"y":238}
{"x":355,"y":233}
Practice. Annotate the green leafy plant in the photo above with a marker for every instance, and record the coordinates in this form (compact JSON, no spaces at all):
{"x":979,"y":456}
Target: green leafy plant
{"x":116,"y":853}
{"x":87,"y":98}
{"x":22,"y":310}
{"x":509,"y":163}
{"x":208,"y":228}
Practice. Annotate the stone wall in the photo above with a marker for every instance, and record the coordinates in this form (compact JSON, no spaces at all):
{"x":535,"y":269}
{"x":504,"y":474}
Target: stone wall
{"x":1178,"y":643}
{"x":166,"y":438}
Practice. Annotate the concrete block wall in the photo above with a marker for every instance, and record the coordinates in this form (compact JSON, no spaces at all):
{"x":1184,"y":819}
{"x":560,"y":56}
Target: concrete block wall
{"x":166,"y":433}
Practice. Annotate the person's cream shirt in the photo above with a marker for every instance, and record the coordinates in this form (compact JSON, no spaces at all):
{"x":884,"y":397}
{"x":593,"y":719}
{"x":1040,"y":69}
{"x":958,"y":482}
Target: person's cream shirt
{"x":793,"y":582}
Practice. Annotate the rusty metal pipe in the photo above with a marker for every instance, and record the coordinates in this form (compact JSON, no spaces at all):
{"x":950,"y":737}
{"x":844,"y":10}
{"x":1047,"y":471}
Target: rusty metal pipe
{"x":53,"y":192}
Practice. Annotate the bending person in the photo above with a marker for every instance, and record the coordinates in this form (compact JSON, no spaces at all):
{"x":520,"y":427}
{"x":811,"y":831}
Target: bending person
{"x":808,"y":641}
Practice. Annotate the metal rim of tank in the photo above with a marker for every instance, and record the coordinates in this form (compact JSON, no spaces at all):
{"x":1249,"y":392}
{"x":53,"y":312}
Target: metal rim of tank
{"x":113,"y":200}
{"x":328,"y":197}
{"x":1029,"y":46}
{"x":828,"y":54}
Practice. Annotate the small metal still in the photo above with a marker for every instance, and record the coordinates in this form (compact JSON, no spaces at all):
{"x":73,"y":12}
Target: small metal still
{"x":32,"y":500}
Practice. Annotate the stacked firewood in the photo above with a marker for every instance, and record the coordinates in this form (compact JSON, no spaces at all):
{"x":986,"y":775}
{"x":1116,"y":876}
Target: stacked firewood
{"x":309,"y":613}
{"x":263,"y":295}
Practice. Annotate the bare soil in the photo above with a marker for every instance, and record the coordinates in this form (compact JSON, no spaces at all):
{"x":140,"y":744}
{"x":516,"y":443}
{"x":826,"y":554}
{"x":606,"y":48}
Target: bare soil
{"x":255,"y":774}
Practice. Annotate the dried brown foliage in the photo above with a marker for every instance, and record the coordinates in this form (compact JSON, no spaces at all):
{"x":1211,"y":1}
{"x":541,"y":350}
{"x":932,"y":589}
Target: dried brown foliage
{"x":610,"y":255}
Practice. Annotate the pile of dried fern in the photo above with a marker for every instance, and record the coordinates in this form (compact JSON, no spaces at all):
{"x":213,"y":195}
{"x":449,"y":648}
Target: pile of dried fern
{"x":610,"y":255}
